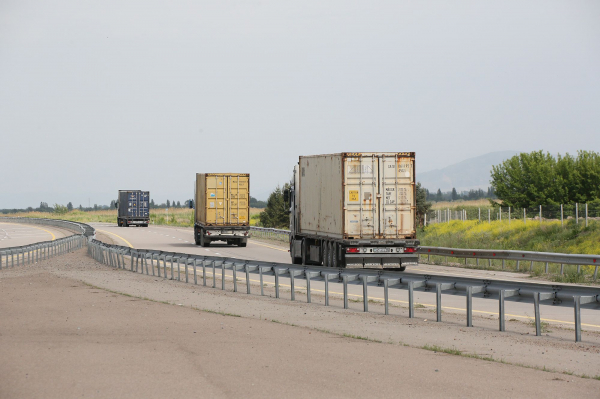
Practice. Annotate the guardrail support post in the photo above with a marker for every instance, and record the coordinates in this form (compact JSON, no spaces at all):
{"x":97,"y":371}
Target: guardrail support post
{"x":195,"y":274}
{"x":501,"y":312}
{"x":469,"y":306}
{"x":386,"y":296}
{"x":234,"y":269}
{"x":187,"y":274}
{"x":365,"y":294}
{"x":214,"y":276}
{"x":204,"y":273}
{"x":275,"y":271}
{"x":326,"y":290}
{"x":411,"y":304}
{"x":247,"y":278}
{"x":178,"y":270}
{"x":260,"y":278}
{"x":345,"y":283}
{"x":292,"y":286}
{"x":536,"y":305}
{"x":438,"y":301}
{"x":577,"y":308}
{"x":307,"y":274}
{"x":223,"y":276}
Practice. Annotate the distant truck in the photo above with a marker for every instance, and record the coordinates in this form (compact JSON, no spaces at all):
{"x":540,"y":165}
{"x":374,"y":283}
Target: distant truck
{"x":133,"y":208}
{"x":355,"y":210}
{"x":222,"y":208}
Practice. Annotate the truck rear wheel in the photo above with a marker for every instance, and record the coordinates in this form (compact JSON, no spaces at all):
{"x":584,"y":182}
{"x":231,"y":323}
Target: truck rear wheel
{"x":295,"y":259}
{"x":304,"y":251}
{"x":203,"y":241}
{"x":325,"y":246}
{"x":334,"y":255}
{"x":241,"y":242}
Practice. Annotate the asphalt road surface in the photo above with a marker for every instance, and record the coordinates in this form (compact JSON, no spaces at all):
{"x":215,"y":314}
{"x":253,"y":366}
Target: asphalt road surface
{"x":16,"y":234}
{"x":181,"y":240}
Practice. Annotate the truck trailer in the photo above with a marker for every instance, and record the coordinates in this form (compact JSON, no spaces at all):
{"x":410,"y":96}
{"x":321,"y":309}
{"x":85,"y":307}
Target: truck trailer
{"x":354,"y":210}
{"x":222,"y":210}
{"x":133,"y":208}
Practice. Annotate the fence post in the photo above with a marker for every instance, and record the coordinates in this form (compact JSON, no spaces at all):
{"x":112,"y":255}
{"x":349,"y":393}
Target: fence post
{"x":489,"y":216}
{"x":586,"y":214}
{"x":562,"y":224}
{"x":500,"y":213}
{"x":479,"y":215}
{"x":576,"y":213}
{"x":524,"y":216}
{"x":540,"y":214}
{"x":509,"y":215}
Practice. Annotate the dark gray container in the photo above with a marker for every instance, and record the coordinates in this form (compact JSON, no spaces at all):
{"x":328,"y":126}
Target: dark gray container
{"x":133,"y":207}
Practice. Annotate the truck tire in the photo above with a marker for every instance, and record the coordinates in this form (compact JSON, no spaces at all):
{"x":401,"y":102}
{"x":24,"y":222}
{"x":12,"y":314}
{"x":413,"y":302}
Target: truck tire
{"x":242,"y":243}
{"x":401,"y":268}
{"x":334,"y":256}
{"x":203,"y":241}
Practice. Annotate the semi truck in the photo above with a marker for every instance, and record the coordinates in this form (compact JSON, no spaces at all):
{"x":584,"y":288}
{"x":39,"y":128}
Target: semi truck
{"x":222,"y":208}
{"x":354,"y":210}
{"x":133,"y":208}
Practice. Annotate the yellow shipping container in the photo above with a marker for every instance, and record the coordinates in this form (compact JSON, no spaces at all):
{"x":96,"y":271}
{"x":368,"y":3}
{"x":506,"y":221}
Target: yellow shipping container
{"x":222,"y":199}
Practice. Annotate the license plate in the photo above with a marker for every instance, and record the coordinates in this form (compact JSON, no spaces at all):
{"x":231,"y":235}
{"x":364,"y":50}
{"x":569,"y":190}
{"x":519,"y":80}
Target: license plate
{"x":380,"y":250}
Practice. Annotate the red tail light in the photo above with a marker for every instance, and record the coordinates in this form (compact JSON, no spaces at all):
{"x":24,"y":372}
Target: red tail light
{"x":410,"y":250}
{"x":352,"y":250}
{"x":208,"y":233}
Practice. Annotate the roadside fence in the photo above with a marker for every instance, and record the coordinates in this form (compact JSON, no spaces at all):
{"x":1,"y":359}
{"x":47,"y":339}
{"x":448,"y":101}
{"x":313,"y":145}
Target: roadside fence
{"x":579,"y":213}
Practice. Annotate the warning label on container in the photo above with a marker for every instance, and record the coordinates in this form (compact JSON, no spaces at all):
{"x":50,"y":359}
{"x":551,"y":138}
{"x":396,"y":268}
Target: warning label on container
{"x":353,"y":195}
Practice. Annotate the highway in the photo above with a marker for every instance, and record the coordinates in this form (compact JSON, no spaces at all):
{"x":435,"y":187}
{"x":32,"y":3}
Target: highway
{"x":17,"y":234}
{"x":179,"y":239}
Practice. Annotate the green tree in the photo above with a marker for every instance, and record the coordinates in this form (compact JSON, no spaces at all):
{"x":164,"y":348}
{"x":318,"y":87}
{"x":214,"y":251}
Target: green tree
{"x":528,"y":179}
{"x":70,"y":207}
{"x":438,"y":195}
{"x":276,"y":213}
{"x":168,"y":204}
{"x":60,"y":209}
{"x":454,"y":194}
{"x":422,"y":205}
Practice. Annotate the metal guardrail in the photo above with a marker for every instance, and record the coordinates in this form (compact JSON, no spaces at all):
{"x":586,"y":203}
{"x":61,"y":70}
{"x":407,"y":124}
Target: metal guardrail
{"x":115,"y":256}
{"x":273,"y":234}
{"x":489,"y":254}
{"x":33,"y":253}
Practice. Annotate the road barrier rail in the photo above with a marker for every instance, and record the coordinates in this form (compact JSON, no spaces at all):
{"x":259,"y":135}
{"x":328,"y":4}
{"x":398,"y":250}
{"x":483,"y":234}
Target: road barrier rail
{"x":486,"y":254}
{"x":33,"y":253}
{"x":195,"y":266}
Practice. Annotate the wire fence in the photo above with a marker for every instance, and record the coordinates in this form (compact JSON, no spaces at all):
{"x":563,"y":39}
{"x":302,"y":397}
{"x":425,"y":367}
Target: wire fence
{"x":580,"y":213}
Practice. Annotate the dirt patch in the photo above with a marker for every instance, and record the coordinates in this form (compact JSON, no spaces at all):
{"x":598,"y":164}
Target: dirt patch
{"x":62,"y":338}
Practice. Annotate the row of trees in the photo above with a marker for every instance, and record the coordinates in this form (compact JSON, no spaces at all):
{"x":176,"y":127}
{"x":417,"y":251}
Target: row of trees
{"x":538,"y":178}
{"x":463,"y":195}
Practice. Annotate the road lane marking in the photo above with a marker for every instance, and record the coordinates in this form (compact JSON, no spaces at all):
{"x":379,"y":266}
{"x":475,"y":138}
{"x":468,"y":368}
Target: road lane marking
{"x":39,"y":228}
{"x":118,"y":236}
{"x":263,"y":245}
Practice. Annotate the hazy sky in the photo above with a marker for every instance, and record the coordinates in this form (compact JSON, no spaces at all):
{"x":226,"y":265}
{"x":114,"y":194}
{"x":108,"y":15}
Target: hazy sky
{"x":97,"y":96}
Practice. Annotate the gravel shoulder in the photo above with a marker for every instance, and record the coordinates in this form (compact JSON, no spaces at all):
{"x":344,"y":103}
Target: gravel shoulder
{"x":73,"y":327}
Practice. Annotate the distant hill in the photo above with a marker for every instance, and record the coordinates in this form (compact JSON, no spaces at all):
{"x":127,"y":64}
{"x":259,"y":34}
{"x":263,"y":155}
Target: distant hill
{"x":472,"y":173}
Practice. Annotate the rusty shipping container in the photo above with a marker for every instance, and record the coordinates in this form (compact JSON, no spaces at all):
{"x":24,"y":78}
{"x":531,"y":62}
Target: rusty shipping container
{"x":222,"y":207}
{"x":357,"y":195}
{"x":361,"y":202}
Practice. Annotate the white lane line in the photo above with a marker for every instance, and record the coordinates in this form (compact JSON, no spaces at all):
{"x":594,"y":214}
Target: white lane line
{"x":207,"y":250}
{"x":187,"y":241}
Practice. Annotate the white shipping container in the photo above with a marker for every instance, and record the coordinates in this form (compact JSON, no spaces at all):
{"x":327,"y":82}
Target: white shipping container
{"x":357,"y":195}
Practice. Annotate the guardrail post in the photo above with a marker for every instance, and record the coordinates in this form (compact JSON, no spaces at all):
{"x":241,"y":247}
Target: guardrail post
{"x":365,"y":294}
{"x":386,"y":298}
{"x":469,"y":306}
{"x":438,"y":301}
{"x":326,"y":289}
{"x":307,"y":274}
{"x":577,"y":308}
{"x":204,"y":273}
{"x":172,"y":269}
{"x":292,"y":285}
{"x":536,"y":305}
{"x":223,"y":276}
{"x":234,"y":269}
{"x":214,"y":276}
{"x":275,"y":271}
{"x":501,"y":311}
{"x":546,"y":267}
{"x":178,"y":268}
{"x":187,"y":275}
{"x":195,"y":274}
{"x":260,"y":277}
{"x":345,"y":282}
{"x":247,"y":270}
{"x":411,"y":304}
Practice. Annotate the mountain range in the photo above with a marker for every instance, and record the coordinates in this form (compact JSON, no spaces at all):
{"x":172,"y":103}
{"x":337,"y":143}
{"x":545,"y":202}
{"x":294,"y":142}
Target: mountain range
{"x":472,"y":173}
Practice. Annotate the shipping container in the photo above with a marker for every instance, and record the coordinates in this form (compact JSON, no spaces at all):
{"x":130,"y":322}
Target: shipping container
{"x":364,"y":202}
{"x":133,"y":208}
{"x":222,"y":210}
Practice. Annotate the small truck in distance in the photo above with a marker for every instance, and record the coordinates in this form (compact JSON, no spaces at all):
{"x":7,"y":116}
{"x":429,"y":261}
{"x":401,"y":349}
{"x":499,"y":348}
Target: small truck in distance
{"x":133,"y":208}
